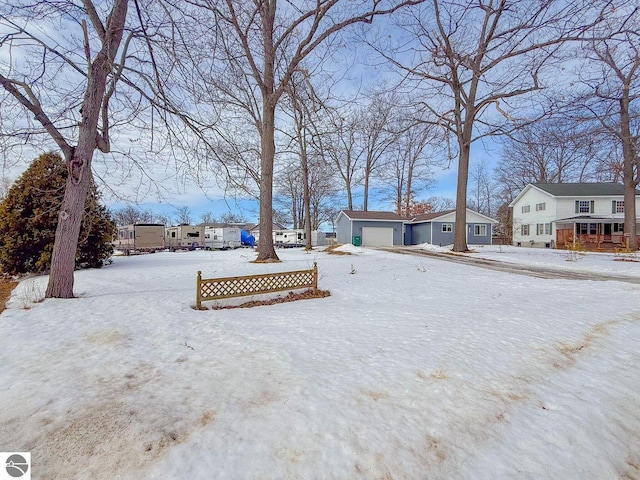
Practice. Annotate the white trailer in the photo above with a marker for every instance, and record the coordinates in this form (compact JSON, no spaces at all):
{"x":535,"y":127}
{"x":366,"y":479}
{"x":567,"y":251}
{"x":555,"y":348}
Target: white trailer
{"x":140,"y":237}
{"x":297,"y":238}
{"x":288,"y":238}
{"x":184,"y":237}
{"x":221,"y":238}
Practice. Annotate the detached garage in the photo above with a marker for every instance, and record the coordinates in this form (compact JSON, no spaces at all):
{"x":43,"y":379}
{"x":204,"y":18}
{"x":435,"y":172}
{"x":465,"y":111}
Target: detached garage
{"x":370,"y":229}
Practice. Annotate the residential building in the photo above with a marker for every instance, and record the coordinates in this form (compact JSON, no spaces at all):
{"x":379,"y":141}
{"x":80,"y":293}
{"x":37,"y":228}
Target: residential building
{"x":552,"y":215}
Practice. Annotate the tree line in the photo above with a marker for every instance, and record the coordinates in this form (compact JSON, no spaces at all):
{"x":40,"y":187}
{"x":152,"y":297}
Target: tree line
{"x":251,"y":95}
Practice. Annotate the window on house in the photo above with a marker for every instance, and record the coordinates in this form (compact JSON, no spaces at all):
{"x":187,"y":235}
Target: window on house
{"x":618,"y":228}
{"x":526,"y":208}
{"x":587,"y":228}
{"x":543,"y":229}
{"x":541,"y":206}
{"x":525,"y":229}
{"x":480,"y":230}
{"x":618,"y":206}
{"x":447,"y":227}
{"x":173,"y":234}
{"x":584,"y":206}
{"x":131,"y":233}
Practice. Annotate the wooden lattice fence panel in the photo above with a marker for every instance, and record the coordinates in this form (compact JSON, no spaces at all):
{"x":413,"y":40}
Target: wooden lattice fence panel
{"x":231,"y":287}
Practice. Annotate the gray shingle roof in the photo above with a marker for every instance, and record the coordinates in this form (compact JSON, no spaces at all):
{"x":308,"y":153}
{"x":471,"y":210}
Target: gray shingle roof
{"x":360,"y":215}
{"x":430,"y":216}
{"x":582,"y":189}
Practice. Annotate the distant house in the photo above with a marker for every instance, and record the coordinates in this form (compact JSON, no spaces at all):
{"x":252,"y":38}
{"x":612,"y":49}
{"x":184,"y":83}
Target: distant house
{"x":386,"y":229}
{"x":553,"y":214}
{"x":439,"y":228}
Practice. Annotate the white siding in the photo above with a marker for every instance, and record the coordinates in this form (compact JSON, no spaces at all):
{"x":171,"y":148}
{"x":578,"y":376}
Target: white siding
{"x":533,"y":217}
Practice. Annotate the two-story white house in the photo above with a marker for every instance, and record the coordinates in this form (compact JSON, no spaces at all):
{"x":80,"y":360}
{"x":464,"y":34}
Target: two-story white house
{"x":553,"y":214}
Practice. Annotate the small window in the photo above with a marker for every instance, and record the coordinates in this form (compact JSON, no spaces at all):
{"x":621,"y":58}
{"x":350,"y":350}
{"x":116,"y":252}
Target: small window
{"x":541,"y":206}
{"x":525,"y":229}
{"x":193,"y":234}
{"x":618,"y":228}
{"x":447,"y":227}
{"x":526,"y":208}
{"x":547,"y":229}
{"x":131,"y":234}
{"x":618,"y":206}
{"x":584,"y":206}
{"x":539,"y":228}
{"x":480,"y":230}
{"x":173,"y":234}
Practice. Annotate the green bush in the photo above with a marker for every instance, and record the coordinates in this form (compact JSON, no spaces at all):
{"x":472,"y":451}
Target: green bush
{"x":29,"y":215}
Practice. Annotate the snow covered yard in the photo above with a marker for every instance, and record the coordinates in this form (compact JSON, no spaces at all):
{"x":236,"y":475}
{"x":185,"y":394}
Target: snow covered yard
{"x":412,"y":368}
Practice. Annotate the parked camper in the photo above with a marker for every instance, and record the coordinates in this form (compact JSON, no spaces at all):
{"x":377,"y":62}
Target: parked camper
{"x":221,"y":238}
{"x":140,"y":237}
{"x":288,"y":238}
{"x":184,"y":237}
{"x":297,"y":238}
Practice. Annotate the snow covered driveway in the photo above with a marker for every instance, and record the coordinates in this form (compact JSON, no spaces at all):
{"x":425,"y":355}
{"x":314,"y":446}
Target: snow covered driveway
{"x":412,"y":368}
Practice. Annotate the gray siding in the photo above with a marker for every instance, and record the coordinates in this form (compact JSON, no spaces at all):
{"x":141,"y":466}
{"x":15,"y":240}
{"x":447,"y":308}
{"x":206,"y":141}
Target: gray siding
{"x":397,"y":229}
{"x":420,"y":233}
{"x":442,"y":238}
{"x":343,"y":230}
{"x":478,"y":239}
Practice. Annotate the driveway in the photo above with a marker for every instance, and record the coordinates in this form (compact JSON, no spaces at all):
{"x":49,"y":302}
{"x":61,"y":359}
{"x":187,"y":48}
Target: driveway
{"x":530,"y":270}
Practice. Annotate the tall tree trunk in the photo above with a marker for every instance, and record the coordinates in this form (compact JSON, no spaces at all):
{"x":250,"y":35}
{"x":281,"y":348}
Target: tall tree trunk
{"x":460,"y":235}
{"x":78,"y":159}
{"x":629,"y":154}
{"x":365,"y":201}
{"x":266,"y":251}
{"x":307,"y":192}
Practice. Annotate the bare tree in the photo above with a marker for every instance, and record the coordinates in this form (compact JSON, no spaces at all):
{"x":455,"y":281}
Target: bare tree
{"x":555,"y":150}
{"x":183,"y":216}
{"x":613,"y":75}
{"x":130,"y":214}
{"x":258,"y":47}
{"x":473,"y":60}
{"x":207,"y":217}
{"x":376,"y":136}
{"x":98,"y":72}
{"x":340,"y":146}
{"x":408,"y":170}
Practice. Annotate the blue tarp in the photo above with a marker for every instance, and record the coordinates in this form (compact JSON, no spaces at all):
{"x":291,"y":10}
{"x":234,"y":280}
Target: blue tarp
{"x":247,"y":239}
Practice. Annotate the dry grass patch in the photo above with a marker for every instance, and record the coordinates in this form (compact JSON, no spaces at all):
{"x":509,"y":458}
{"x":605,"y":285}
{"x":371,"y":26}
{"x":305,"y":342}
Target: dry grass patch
{"x":332,"y":250}
{"x":6,"y":287}
{"x":290,"y":297}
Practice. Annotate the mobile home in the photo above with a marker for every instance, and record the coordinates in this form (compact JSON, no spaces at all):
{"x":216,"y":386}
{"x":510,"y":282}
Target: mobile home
{"x":184,"y":237}
{"x":221,"y":238}
{"x":140,"y":237}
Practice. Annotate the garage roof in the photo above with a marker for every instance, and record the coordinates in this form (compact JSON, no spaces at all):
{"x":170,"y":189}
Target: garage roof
{"x":373,"y":216}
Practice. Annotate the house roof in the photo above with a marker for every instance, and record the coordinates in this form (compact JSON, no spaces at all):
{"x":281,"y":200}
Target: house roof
{"x":373,"y":216}
{"x":606,"y":189}
{"x":581,"y":189}
{"x":431,"y":216}
{"x":427,"y":217}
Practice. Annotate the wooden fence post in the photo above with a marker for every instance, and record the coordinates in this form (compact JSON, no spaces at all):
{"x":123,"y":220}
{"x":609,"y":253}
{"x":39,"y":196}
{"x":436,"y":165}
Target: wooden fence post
{"x":198,"y":298}
{"x":315,"y":278}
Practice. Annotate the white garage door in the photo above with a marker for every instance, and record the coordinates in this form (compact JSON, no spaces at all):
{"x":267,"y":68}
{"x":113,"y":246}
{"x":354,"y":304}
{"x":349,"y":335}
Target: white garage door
{"x":377,"y":236}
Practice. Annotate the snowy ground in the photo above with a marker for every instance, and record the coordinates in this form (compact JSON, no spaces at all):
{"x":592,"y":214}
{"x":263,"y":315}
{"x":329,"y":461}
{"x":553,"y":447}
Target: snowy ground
{"x":413,"y":368}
